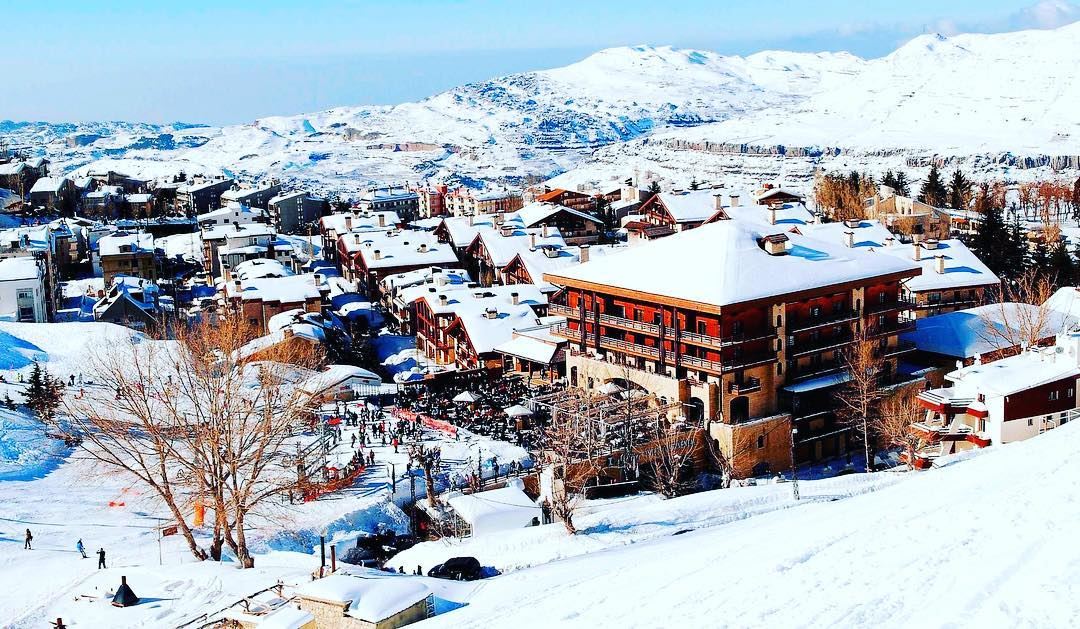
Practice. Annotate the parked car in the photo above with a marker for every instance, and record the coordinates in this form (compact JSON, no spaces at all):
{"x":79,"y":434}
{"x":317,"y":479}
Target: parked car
{"x":459,"y":569}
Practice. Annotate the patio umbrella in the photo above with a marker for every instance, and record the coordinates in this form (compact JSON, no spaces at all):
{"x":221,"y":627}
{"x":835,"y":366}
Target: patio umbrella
{"x":334,"y":421}
{"x":609,"y":388}
{"x":467,"y":397}
{"x":517,"y":410}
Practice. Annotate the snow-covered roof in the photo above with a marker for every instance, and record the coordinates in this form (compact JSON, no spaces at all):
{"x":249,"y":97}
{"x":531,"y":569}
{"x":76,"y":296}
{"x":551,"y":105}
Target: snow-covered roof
{"x":9,"y":198}
{"x":372,"y":599}
{"x":1032,"y":368}
{"x":286,"y":196}
{"x":360,"y":221}
{"x":495,"y":510}
{"x":243,"y":230}
{"x":530,"y":348}
{"x":285,"y":617}
{"x":772,"y":192}
{"x":237,"y":194}
{"x":293,"y":289}
{"x":19,"y":269}
{"x":502,"y":248}
{"x":383,"y":195}
{"x":545,"y":260}
{"x":399,"y":249}
{"x":790,"y":214}
{"x":12,"y":168}
{"x":135,"y":243}
{"x":690,"y":206}
{"x":1066,"y":300}
{"x":191,"y":187}
{"x":533,"y":214}
{"x":722,"y":263}
{"x":962,"y":267}
{"x":974,"y":331}
{"x":260,"y":268}
{"x":49,"y":184}
{"x":337,"y":374}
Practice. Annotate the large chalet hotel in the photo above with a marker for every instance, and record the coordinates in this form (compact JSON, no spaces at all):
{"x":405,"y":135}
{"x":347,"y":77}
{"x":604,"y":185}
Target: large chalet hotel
{"x":744,"y":324}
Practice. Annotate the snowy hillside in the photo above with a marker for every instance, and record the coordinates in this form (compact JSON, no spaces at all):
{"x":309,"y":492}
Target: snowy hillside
{"x":984,"y":542}
{"x":654,"y":108}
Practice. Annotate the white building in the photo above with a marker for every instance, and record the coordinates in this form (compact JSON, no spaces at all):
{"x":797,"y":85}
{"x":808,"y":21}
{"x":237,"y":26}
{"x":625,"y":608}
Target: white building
{"x":22,"y":290}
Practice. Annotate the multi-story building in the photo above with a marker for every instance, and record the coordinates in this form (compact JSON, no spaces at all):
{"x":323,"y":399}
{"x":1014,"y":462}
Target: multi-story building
{"x":366,"y":258}
{"x":258,"y":300}
{"x":201,"y":196}
{"x":680,"y":211}
{"x":464,"y":202}
{"x":255,"y":196}
{"x":22,"y":290}
{"x":745,"y":325}
{"x":906,"y":216}
{"x":400,"y":200}
{"x":334,"y":226}
{"x":569,"y":198}
{"x":53,"y":193}
{"x":127,"y":254}
{"x":293,"y":212}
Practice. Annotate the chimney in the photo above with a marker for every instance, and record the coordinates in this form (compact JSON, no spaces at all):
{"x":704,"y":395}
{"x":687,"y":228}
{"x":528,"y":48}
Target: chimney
{"x":939,"y":264}
{"x":916,"y":252}
{"x":356,"y":238}
{"x":718,"y":202}
{"x":849,"y":239}
{"x":890,"y":241}
{"x":382,"y":220}
{"x":288,"y":333}
{"x":491,"y":313}
{"x":423,"y":247}
{"x":734,"y":200}
{"x":443,"y":300}
{"x":583,"y":254}
{"x":472,"y":219}
{"x":237,"y":284}
{"x":930,"y":243}
{"x":532,"y":241}
{"x":378,"y":254}
{"x":772,"y":215}
{"x":514,"y":298}
{"x":348,"y":223}
{"x":545,"y":232}
{"x":318,"y":279}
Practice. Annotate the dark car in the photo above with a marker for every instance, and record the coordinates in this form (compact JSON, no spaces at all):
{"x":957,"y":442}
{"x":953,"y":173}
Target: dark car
{"x":459,"y":569}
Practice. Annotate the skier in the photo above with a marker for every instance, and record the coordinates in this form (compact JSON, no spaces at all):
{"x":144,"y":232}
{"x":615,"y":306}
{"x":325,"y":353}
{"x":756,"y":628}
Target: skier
{"x":29,"y":538}
{"x":82,"y":549}
{"x":101,"y":558}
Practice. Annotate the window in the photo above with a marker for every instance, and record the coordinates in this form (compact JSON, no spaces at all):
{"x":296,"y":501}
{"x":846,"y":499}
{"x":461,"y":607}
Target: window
{"x":761,"y":442}
{"x":253,"y":321}
{"x":815,"y":311}
{"x":881,"y":297}
{"x":702,"y":327}
{"x":1054,"y":395}
{"x":1070,"y":392}
{"x":837,"y":306}
{"x":1031,"y":422}
{"x":736,"y":328}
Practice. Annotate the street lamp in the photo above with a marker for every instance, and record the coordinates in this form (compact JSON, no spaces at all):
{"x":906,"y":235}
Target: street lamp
{"x":794,"y":467}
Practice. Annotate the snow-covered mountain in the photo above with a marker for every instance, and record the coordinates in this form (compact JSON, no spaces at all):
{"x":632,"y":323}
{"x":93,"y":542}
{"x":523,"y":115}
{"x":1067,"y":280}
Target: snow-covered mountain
{"x":1001,"y":101}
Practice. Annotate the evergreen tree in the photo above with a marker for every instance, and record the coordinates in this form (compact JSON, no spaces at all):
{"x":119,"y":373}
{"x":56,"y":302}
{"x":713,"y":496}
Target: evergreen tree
{"x":1062,"y":264}
{"x":1016,"y":250}
{"x":43,"y":393}
{"x":654,"y":187}
{"x":8,"y":402}
{"x":1039,"y":260}
{"x":889,"y":179}
{"x":989,"y":242}
{"x":694,"y":185}
{"x":933,"y":189}
{"x":959,"y":190}
{"x":903,"y":187}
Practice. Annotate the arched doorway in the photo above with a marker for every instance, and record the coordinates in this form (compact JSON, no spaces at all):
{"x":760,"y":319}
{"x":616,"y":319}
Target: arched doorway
{"x":739,"y":409}
{"x":695,"y":409}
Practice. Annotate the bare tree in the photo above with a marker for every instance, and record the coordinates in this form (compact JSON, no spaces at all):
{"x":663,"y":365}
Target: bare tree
{"x":859,"y":398}
{"x":893,"y":424}
{"x":193,"y":420}
{"x":569,"y":448}
{"x":426,"y":459}
{"x":1006,"y":326}
{"x":674,"y":449}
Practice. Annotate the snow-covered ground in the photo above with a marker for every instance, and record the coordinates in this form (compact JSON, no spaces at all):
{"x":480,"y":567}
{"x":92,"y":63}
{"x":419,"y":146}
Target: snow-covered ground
{"x":982,"y":542}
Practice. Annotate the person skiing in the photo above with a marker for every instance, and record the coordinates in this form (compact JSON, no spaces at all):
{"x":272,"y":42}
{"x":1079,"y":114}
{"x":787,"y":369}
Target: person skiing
{"x":82,"y":549}
{"x":29,"y":538}
{"x":101,"y":558}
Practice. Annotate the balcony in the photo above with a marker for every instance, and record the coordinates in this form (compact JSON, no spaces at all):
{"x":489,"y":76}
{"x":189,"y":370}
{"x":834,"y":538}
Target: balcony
{"x":903,"y":347}
{"x":627,"y":324}
{"x":748,"y":385}
{"x":900,"y":304}
{"x":823,"y":344}
{"x":562,"y":311}
{"x":820,"y":369}
{"x":891,"y":327}
{"x":752,"y":360}
{"x":830,"y":318}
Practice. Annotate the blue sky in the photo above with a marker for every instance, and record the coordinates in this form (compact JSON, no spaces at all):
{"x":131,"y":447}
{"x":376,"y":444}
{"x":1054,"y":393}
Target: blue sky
{"x":233,"y":61}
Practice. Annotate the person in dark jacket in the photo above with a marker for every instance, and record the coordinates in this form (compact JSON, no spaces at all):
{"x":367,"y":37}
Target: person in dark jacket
{"x":29,"y":538}
{"x":101,"y":558}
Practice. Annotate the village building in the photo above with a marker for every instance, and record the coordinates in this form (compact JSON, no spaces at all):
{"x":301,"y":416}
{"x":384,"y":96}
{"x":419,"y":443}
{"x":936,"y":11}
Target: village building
{"x":465,"y":201}
{"x":197,"y":197}
{"x":140,"y":204}
{"x":678,"y":211}
{"x":223,"y":239}
{"x":332,"y":227}
{"x":529,"y":267}
{"x":130,"y":301}
{"x":23,"y":294}
{"x":534,"y":352}
{"x":342,"y":382}
{"x":366,"y":258}
{"x":1008,"y":400}
{"x":492,"y":249}
{"x":54,"y":194}
{"x":344,"y":601}
{"x":230,"y":214}
{"x":126,"y":253}
{"x":18,"y":177}
{"x":569,"y":198}
{"x":400,"y":292}
{"x":770,"y":195}
{"x":102,"y":202}
{"x":906,"y":216}
{"x":461,"y":325}
{"x":399,"y":200}
{"x":295,"y":212}
{"x":575,"y":227}
{"x":251,"y":196}
{"x":259,"y":299}
{"x":754,"y":346}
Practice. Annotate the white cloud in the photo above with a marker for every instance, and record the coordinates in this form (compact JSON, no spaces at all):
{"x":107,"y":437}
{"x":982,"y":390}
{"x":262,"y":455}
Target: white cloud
{"x":1046,"y":14}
